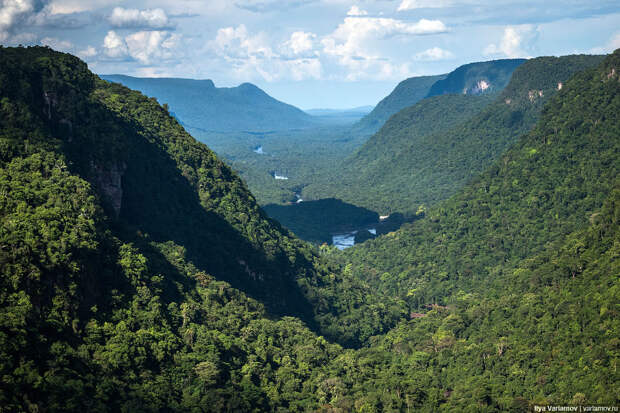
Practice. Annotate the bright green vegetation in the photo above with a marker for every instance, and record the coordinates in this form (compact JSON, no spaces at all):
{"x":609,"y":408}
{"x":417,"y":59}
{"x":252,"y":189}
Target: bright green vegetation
{"x":129,"y":254}
{"x":139,"y":274}
{"x":201,"y":105}
{"x":525,"y":260}
{"x":300,"y":155}
{"x":427,"y":152}
{"x":406,"y":93}
{"x":477,"y":78}
{"x":317,"y":221}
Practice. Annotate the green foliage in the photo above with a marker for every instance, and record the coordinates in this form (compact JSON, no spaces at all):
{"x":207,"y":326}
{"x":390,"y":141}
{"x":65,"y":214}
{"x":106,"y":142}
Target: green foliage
{"x":182,"y":297}
{"x":406,"y":93}
{"x":132,"y":261}
{"x":301,"y":155}
{"x":425,"y":153}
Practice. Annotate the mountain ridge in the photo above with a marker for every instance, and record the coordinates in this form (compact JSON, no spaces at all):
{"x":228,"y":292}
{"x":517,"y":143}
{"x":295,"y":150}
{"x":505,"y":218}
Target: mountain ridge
{"x":201,"y":105}
{"x":409,"y":163}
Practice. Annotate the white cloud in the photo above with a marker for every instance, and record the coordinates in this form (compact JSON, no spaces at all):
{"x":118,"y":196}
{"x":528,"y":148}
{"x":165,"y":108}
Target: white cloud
{"x":356,"y":11}
{"x":134,"y":18}
{"x":235,"y":42}
{"x":434,"y":53}
{"x":144,"y":46}
{"x":114,"y":46}
{"x":11,"y":11}
{"x":76,"y":6}
{"x":300,"y":44}
{"x":250,"y":55}
{"x":354,"y":45}
{"x":516,"y":41}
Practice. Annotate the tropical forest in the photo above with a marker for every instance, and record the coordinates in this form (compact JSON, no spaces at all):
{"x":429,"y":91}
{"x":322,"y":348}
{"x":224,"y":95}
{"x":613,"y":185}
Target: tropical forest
{"x":169,"y":245}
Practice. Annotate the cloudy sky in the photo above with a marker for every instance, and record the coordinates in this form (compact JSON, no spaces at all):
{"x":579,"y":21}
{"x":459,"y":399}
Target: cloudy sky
{"x":311,"y":53}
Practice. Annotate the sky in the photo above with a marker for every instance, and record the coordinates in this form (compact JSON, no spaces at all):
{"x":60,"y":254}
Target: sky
{"x":310,"y":53}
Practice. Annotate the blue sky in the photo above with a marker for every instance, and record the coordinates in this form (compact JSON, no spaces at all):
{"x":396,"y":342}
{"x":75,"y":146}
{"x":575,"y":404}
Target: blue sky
{"x":310,"y":53}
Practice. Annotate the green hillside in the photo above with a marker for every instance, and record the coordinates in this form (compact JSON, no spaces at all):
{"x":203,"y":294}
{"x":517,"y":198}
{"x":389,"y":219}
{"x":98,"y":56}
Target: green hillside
{"x":406,"y":93}
{"x":513,"y":282}
{"x":425,"y":153}
{"x":201,"y":105}
{"x":138,"y":274}
{"x":552,"y":182}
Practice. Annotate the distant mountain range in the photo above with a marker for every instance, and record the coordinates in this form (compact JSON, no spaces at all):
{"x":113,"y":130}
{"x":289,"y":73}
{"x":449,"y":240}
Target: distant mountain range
{"x":426,"y":152}
{"x":406,"y":93}
{"x":201,"y":105}
{"x":363,"y":110}
{"x":470,"y":79}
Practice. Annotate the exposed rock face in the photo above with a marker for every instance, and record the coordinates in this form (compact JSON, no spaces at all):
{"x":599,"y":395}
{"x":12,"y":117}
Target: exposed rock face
{"x":108,"y":180}
{"x":478,"y":88}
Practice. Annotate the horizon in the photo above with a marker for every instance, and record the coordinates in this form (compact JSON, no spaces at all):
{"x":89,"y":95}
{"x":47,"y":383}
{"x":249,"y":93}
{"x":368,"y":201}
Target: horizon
{"x":335,"y":54}
{"x":272,"y":90}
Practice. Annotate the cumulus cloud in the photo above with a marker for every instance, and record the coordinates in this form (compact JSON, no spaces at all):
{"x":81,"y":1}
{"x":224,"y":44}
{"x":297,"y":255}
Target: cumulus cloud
{"x":356,"y":11}
{"x":300,"y":44}
{"x":351,"y":44}
{"x":517,"y":41}
{"x":236,"y":42}
{"x":134,"y":18}
{"x":12,"y":12}
{"x":434,"y":53}
{"x":77,"y":6}
{"x":114,"y":46}
{"x":144,"y":46}
{"x":250,"y":55}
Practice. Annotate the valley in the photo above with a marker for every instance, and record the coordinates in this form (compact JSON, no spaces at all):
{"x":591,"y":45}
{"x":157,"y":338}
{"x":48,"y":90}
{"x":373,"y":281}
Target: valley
{"x":170,"y":245}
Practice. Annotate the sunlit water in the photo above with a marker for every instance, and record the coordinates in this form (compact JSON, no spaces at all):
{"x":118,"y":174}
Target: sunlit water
{"x":342,"y":241}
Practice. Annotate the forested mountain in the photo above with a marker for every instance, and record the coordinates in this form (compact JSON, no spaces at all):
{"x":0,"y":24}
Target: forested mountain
{"x":520,"y":269}
{"x":477,"y":78}
{"x":129,"y":253}
{"x":425,"y":153}
{"x":406,"y":93}
{"x":201,"y":105}
{"x":138,"y":274}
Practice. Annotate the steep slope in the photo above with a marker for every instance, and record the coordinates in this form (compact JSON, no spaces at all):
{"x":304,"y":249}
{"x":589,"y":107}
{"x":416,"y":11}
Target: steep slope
{"x":427,"y":152}
{"x":547,"y":185}
{"x":137,"y":271}
{"x":201,"y":105}
{"x":513,"y":282}
{"x":90,"y":321}
{"x":406,"y":93}
{"x":477,"y":78}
